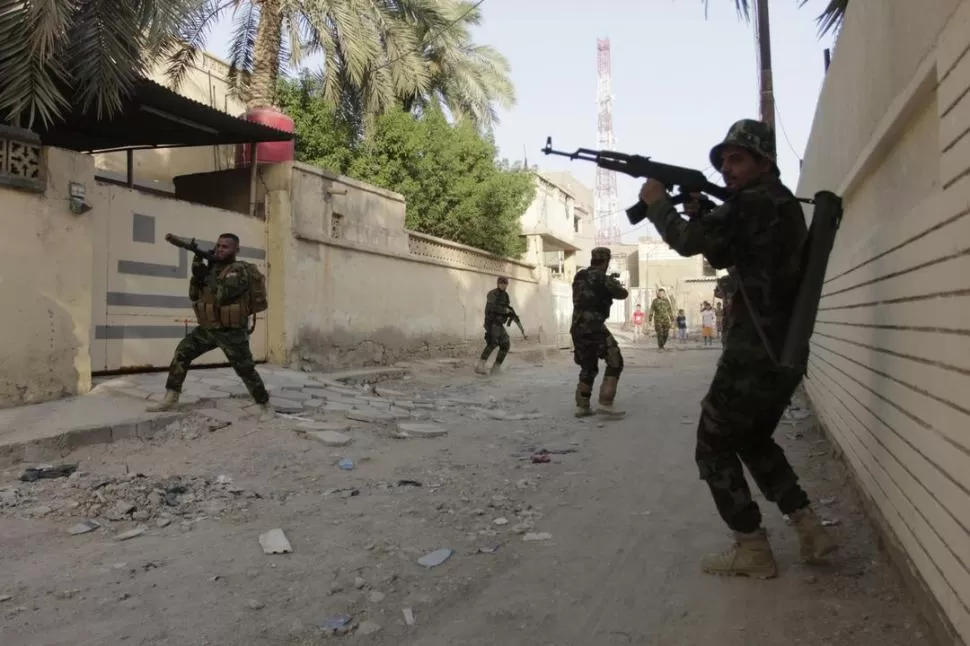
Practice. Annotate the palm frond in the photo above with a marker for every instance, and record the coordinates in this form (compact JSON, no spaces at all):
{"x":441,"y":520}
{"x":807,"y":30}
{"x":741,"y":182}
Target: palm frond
{"x":183,"y":45}
{"x":830,"y":20}
{"x":242,"y":47}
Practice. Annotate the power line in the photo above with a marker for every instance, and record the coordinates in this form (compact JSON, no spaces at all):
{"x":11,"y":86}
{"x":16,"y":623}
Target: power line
{"x":785,"y":134}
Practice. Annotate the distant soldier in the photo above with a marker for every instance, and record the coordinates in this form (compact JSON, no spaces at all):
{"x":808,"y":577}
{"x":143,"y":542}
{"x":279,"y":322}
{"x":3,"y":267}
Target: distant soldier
{"x":498,"y":308}
{"x":224,"y":294}
{"x":594,"y":291}
{"x":662,"y":316}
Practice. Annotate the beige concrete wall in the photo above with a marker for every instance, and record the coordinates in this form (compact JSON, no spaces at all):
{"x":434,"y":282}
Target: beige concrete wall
{"x":890,"y":366}
{"x":206,"y":83}
{"x":45,"y":284}
{"x":357,"y":288}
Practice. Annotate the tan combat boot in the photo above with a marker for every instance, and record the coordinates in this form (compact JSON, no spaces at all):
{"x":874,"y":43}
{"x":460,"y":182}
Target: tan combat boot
{"x":750,"y":556}
{"x":607,"y":395}
{"x":480,"y":367}
{"x":266,"y":413}
{"x":583,"y":393}
{"x":496,"y":368}
{"x":815,"y":542}
{"x":170,"y":402}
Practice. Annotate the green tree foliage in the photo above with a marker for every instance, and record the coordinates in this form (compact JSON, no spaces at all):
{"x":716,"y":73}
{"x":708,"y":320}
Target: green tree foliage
{"x":449,"y":176}
{"x":448,"y":173}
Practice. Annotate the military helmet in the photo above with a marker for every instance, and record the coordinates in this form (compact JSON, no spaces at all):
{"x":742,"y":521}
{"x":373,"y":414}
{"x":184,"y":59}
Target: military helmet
{"x":754,"y":136}
{"x":600,"y":254}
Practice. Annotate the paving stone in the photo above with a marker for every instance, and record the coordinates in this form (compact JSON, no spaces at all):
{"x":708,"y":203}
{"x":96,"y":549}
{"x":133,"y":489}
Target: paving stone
{"x":321,"y":393}
{"x":213,"y":381}
{"x":236,"y":390}
{"x":330,"y":438}
{"x":387,"y":392}
{"x":416,"y":429}
{"x":339,"y":427}
{"x":294,"y":394}
{"x":286,"y":406}
{"x":313,"y":403}
{"x":337,"y":407}
{"x":371,"y":416}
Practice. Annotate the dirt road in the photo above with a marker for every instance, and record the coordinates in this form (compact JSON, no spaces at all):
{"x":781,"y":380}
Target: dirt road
{"x":619,"y":516}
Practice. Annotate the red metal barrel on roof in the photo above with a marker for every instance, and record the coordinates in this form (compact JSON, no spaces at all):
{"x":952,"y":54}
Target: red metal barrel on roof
{"x":268,"y":152}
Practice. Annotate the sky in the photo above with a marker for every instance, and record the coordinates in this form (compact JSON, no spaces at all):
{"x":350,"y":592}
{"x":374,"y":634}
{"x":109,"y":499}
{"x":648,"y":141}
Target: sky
{"x":678,"y":80}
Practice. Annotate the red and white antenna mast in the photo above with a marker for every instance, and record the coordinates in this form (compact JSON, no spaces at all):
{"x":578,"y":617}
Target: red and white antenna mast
{"x":606,"y":206}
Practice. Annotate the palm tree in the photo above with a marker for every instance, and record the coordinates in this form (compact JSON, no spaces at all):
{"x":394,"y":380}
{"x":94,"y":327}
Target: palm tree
{"x":467,"y":79}
{"x":370,"y":47}
{"x":94,"y":50}
{"x":830,"y":20}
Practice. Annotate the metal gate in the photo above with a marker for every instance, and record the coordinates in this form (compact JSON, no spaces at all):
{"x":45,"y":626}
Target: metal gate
{"x":141,"y":304}
{"x":562,"y":297}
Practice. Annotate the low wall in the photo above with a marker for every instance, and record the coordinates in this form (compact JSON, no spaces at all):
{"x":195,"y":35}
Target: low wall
{"x":45,"y":275}
{"x":360,"y":289}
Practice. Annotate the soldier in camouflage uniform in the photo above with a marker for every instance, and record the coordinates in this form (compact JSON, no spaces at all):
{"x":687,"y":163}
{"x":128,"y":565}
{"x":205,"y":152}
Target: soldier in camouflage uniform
{"x":726,"y":287}
{"x":594,"y":291}
{"x":497,"y":310}
{"x":218,"y":292}
{"x":662,"y":315}
{"x":760,"y":232}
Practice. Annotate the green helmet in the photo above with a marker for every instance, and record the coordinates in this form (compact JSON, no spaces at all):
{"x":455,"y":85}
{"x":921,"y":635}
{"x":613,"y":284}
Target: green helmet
{"x":754,"y":136}
{"x":600,"y":255}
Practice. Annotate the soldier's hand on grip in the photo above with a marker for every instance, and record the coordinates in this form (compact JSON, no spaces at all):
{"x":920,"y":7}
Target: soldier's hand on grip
{"x":199,"y":268}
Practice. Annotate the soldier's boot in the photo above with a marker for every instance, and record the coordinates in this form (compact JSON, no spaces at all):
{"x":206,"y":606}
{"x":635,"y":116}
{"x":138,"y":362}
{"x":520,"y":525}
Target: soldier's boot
{"x":814,"y":541}
{"x":170,"y":402}
{"x":750,"y":556}
{"x":496,"y":368}
{"x":480,"y":367}
{"x":266,"y":412}
{"x":607,"y":395}
{"x":583,"y":394}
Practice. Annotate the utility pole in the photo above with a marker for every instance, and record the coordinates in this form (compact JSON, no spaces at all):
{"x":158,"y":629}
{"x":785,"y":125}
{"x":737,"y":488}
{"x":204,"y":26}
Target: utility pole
{"x":767,"y":88}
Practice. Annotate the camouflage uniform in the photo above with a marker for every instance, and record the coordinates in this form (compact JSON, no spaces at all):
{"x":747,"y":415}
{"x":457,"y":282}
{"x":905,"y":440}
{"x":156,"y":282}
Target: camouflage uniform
{"x":224,"y":283}
{"x":726,"y":288}
{"x":497,"y":308}
{"x":593,"y":294}
{"x":760,"y":232}
{"x":662,"y":315}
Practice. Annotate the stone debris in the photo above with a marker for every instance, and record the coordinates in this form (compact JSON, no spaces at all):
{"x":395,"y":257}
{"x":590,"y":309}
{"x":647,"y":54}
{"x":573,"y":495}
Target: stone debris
{"x":274,"y":542}
{"x":132,"y":497}
{"x":330,"y":438}
{"x":537,"y":536}
{"x":368,"y":628}
{"x":408,"y":616}
{"x":436,"y":558}
{"x":415,"y":429}
{"x":131,"y":533}
{"x":83,"y":527}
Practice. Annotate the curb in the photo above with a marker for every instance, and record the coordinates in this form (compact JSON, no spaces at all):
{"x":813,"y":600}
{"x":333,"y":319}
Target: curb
{"x":58,"y":446}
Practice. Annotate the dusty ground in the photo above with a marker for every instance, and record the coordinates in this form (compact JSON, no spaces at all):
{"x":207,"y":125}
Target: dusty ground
{"x":627,"y":516}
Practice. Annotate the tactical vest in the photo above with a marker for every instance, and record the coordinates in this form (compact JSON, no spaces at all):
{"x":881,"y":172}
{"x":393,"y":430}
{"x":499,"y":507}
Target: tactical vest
{"x":210,"y":315}
{"x":590,"y":294}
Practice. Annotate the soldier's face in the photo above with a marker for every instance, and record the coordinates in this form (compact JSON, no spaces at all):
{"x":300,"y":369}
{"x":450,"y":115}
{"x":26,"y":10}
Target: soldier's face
{"x":503,"y":286}
{"x":225,"y":248}
{"x":741,"y":169}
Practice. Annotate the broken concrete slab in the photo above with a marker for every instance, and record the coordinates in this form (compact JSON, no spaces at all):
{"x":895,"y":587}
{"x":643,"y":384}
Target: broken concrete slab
{"x":274,"y":542}
{"x":285,"y":405}
{"x":337,"y":427}
{"x":371,"y":416}
{"x":330,"y":438}
{"x":417,"y":429}
{"x":226,"y":416}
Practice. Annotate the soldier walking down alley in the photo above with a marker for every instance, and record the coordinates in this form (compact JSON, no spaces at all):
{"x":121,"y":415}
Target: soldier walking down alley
{"x":662,"y":315}
{"x":224,"y":294}
{"x":497,"y":311}
{"x":593,"y":294}
{"x":760,"y":232}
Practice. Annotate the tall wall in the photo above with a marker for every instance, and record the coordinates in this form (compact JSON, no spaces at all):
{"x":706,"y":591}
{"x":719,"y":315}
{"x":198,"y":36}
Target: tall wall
{"x":45,"y":280}
{"x":890,"y":360}
{"x":360,"y":289}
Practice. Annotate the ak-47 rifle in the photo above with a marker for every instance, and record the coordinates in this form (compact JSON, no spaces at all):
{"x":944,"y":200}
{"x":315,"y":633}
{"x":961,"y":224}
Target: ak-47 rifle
{"x":191,"y":245}
{"x":821,"y":236}
{"x":511,"y":318}
{"x":685,"y":180}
